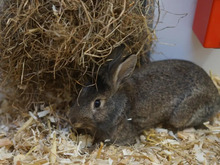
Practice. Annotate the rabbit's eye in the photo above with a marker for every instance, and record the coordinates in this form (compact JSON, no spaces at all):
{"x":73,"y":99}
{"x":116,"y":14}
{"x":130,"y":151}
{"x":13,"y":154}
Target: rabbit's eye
{"x":97,"y":103}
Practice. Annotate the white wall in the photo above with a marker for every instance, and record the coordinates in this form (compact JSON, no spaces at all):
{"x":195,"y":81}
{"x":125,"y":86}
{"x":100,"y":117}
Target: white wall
{"x":180,"y":42}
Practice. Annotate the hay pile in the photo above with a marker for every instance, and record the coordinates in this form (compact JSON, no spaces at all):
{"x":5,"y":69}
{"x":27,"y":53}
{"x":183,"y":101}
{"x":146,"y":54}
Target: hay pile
{"x":42,"y":138}
{"x":50,"y":48}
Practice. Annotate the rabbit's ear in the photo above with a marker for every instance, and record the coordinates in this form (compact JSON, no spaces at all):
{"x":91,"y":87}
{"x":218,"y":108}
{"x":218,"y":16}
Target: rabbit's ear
{"x":116,"y":53}
{"x":112,"y":60}
{"x":123,"y":71}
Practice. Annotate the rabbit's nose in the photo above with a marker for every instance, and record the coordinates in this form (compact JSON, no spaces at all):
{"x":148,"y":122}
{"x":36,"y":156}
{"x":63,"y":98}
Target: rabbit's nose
{"x":74,"y":119}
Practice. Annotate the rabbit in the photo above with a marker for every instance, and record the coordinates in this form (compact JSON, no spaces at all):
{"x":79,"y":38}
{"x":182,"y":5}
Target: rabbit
{"x":127,"y":100}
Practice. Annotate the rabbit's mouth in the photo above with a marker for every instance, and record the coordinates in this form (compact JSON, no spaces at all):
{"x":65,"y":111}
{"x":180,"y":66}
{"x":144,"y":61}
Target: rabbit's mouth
{"x":85,"y":128}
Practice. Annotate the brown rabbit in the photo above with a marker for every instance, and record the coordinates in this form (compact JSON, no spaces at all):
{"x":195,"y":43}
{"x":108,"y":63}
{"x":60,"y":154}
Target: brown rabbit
{"x":126,"y":100}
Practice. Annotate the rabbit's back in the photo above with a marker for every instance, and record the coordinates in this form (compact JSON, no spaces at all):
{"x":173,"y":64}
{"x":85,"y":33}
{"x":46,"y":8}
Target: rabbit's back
{"x":175,"y":92}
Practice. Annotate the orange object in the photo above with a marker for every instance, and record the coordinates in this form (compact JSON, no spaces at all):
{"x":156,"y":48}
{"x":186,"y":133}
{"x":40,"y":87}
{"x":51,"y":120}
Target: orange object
{"x":206,"y":24}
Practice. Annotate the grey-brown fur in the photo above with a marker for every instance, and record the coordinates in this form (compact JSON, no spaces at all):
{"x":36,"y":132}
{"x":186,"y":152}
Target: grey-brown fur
{"x":173,"y":92}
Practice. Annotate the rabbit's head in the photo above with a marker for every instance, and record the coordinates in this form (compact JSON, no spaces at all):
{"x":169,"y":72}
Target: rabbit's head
{"x":99,"y":107}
